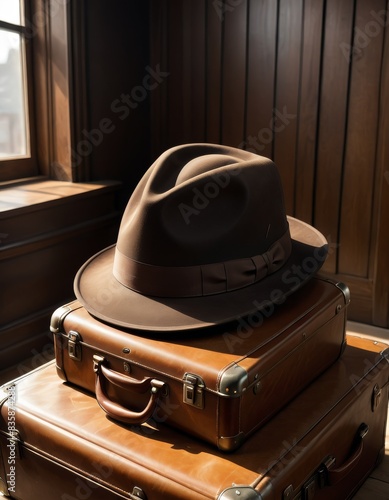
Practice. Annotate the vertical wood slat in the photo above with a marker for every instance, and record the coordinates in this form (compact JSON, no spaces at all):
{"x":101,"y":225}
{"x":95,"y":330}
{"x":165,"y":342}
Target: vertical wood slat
{"x":158,"y":98}
{"x":198,"y":102}
{"x":261,"y":76}
{"x":175,"y":115}
{"x":234,"y":75}
{"x":332,"y":123}
{"x":359,"y":167}
{"x":308,"y":109}
{"x":193,"y":64}
{"x":287,"y":94}
{"x":214,"y":31}
{"x":381,"y":260}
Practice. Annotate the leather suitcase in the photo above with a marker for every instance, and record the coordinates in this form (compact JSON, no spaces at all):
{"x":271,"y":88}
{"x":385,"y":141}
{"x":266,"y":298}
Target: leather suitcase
{"x":56,"y":445}
{"x":218,"y":386}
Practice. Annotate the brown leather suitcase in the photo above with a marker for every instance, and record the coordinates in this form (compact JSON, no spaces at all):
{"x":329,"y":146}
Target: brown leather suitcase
{"x":57,"y":445}
{"x":218,"y":386}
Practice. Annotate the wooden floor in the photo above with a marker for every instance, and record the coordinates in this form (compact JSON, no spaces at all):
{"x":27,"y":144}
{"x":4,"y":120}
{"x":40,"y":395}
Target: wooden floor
{"x":376,"y":486}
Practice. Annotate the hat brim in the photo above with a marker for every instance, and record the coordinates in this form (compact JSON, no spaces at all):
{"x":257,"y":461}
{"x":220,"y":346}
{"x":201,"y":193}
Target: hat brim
{"x":105,"y":298}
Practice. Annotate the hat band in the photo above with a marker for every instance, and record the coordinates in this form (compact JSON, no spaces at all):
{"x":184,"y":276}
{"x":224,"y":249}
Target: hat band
{"x":202,"y":280}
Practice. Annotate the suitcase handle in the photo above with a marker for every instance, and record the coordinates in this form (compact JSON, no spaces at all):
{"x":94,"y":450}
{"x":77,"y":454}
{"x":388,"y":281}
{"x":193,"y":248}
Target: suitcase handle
{"x":115,"y":410}
{"x":326,"y":475}
{"x":336,"y":475}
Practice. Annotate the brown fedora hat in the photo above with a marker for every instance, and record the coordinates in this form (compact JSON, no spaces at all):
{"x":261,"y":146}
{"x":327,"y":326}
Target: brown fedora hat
{"x":204,"y":240}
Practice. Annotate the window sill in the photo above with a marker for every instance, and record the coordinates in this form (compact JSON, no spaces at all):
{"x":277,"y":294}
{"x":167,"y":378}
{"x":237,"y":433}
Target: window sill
{"x":34,"y":206}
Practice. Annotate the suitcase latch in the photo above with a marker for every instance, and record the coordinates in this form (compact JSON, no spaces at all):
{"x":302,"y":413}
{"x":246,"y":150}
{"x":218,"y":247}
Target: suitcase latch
{"x":138,"y":493}
{"x":74,"y":347}
{"x":376,"y":397}
{"x":193,"y":390}
{"x":318,"y":481}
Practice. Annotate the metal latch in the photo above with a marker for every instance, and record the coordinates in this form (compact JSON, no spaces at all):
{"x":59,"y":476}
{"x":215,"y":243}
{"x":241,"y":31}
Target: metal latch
{"x":322,"y":472}
{"x":288,"y":493}
{"x":375,"y":398}
{"x":318,"y":481}
{"x":74,"y":347}
{"x":193,"y":390}
{"x":138,"y":493}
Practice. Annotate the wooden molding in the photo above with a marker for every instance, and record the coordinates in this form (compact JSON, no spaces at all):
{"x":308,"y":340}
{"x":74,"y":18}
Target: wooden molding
{"x":59,"y":79}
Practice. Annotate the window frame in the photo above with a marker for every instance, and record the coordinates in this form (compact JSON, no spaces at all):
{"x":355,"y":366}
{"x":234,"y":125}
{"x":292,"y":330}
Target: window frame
{"x":22,"y":167}
{"x":55,"y":60}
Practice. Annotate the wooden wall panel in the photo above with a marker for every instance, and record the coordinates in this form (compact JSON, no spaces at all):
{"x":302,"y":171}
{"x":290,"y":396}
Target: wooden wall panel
{"x":358,"y":190}
{"x":380,"y":227}
{"x":308,"y":108}
{"x":54,"y":227}
{"x":332,"y":121}
{"x":287,"y":94}
{"x":234,"y":75}
{"x":194,"y":70}
{"x":302,"y":82}
{"x":175,"y":60}
{"x":159,"y":97}
{"x":262,"y":43}
{"x":213,"y":69}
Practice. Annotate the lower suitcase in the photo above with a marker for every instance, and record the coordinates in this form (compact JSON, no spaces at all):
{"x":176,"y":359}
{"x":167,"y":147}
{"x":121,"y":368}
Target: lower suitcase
{"x":219,"y":386}
{"x":56,"y":445}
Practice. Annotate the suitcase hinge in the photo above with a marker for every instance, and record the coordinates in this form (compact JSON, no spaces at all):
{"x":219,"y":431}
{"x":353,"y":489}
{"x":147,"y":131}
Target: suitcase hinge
{"x":193,"y":390}
{"x":74,"y":346}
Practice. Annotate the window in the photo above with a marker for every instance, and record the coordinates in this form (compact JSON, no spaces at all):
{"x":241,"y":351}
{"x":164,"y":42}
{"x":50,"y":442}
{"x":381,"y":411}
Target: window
{"x":14,"y":141}
{"x":38,"y":88}
{"x":16,"y":146}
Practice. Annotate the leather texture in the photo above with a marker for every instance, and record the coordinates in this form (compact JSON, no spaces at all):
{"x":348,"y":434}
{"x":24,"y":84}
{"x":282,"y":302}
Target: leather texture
{"x":69,"y":449}
{"x":249,"y":371}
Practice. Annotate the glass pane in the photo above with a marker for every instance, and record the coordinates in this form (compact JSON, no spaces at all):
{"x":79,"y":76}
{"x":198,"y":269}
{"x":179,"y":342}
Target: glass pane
{"x":13,"y":112}
{"x":10,"y":11}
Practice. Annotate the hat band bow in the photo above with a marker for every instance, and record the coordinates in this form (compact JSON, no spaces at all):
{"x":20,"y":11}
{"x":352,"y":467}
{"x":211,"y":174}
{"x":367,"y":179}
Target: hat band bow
{"x":200,"y":280}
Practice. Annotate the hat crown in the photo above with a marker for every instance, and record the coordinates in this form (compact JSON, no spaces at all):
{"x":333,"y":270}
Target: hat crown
{"x":221,"y":206}
{"x":218,"y":206}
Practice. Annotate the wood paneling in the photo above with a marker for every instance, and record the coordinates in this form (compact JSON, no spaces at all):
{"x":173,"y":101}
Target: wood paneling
{"x":213,"y":67}
{"x":233,"y":85}
{"x":287,"y":94}
{"x":261,"y":67}
{"x":359,"y":168}
{"x":308,"y":108}
{"x":303,"y":82}
{"x":379,"y":261}
{"x":332,"y":121}
{"x":113,"y":133}
{"x":48,"y":230}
